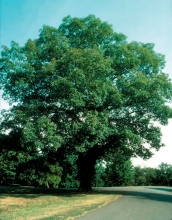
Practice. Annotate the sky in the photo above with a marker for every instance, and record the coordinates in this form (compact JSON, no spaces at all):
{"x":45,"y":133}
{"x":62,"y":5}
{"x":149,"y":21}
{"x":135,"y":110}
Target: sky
{"x":147,"y":21}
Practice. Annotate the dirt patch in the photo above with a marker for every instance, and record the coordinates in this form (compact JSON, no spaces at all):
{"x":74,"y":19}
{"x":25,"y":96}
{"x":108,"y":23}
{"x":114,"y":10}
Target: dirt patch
{"x":9,"y":201}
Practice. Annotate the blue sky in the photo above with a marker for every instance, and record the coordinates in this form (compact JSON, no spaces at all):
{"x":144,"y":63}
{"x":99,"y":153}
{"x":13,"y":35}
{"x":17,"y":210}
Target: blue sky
{"x":140,"y":20}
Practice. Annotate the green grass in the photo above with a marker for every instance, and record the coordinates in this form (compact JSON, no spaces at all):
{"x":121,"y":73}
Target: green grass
{"x":31,"y":204}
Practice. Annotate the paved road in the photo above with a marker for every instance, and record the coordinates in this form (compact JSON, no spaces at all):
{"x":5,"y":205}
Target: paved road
{"x":135,"y":203}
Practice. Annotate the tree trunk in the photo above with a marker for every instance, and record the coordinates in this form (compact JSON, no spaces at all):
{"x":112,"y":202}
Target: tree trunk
{"x":47,"y":185}
{"x":86,"y":169}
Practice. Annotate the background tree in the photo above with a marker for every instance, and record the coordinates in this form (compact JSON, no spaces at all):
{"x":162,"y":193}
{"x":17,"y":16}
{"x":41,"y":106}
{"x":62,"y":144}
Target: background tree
{"x":119,"y":174}
{"x":139,"y":176}
{"x":98,"y":180}
{"x":119,"y":169}
{"x":147,"y":176}
{"x":23,"y":162}
{"x":9,"y":160}
{"x":12,"y":153}
{"x":38,"y":172}
{"x":164,"y":174}
{"x":83,"y":90}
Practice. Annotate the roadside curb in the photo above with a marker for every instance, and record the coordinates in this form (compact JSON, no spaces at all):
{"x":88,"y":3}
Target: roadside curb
{"x":75,"y":218}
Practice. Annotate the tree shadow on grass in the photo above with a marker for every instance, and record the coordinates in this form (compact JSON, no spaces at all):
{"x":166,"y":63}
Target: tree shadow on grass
{"x":31,"y":192}
{"x":139,"y":194}
{"x":167,"y":189}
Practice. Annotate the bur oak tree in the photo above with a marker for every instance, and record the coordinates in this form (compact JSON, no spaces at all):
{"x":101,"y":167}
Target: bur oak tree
{"x":83,"y":90}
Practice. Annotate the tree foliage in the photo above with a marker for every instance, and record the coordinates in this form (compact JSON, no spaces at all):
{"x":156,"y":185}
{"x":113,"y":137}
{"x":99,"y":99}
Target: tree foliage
{"x":164,"y":174}
{"x":38,"y":172}
{"x":121,"y":173}
{"x":147,"y":176}
{"x":118,"y":173}
{"x":83,"y":90}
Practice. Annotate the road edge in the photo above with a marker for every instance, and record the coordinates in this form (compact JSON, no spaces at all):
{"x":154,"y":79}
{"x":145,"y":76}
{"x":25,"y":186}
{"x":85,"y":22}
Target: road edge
{"x":78,"y":216}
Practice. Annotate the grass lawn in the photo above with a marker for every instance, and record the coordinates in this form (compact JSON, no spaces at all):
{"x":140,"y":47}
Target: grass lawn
{"x":24,"y":203}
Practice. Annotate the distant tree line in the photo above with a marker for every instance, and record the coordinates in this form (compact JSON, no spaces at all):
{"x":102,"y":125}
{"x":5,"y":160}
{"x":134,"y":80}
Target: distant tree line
{"x":128,"y":175}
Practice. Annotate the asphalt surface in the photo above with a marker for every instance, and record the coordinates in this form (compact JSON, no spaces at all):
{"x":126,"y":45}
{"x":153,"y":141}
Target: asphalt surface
{"x":135,"y":203}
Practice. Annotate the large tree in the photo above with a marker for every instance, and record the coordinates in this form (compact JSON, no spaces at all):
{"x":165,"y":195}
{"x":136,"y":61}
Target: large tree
{"x":81,"y":91}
